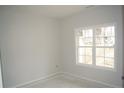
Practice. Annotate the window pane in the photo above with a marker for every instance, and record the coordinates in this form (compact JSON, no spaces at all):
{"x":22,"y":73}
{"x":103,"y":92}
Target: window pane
{"x":109,"y":52}
{"x":100,"y":52}
{"x":89,"y":33}
{"x":99,"y":41}
{"x":85,"y":37}
{"x":109,"y":31}
{"x":81,"y":59}
{"x":85,"y":41}
{"x":113,"y":31}
{"x":81,"y":43}
{"x":81,"y":51}
{"x":99,"y":32}
{"x":88,"y":60}
{"x":88,"y":51}
{"x":88,"y":42}
{"x":109,"y":41}
{"x":109,"y":62}
{"x":100,"y":61}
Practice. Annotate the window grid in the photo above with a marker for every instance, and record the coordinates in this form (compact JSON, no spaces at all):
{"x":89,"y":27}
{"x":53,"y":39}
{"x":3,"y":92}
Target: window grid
{"x":85,"y":45}
{"x":94,"y":46}
{"x":103,"y":47}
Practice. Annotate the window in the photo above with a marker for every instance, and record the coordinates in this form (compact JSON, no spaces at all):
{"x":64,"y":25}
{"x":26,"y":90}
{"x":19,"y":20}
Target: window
{"x":95,"y":46}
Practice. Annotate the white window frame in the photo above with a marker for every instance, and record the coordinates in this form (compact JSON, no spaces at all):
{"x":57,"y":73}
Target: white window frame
{"x":93,"y":65}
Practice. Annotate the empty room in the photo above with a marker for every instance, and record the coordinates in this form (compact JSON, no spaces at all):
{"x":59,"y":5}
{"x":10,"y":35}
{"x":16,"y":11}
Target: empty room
{"x":61,"y":46}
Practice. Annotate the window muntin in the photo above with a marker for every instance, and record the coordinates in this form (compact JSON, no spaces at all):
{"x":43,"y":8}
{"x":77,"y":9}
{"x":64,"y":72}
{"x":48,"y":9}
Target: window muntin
{"x":96,"y":46}
{"x":84,"y":44}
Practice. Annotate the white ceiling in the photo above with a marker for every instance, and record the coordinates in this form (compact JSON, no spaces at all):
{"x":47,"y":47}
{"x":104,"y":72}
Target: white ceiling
{"x":58,"y":11}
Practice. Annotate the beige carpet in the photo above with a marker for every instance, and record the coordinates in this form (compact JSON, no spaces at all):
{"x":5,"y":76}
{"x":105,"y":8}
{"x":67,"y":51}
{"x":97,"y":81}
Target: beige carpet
{"x":62,"y":82}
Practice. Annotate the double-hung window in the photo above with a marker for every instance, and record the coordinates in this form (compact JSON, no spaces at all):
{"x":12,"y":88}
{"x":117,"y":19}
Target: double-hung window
{"x":95,"y":46}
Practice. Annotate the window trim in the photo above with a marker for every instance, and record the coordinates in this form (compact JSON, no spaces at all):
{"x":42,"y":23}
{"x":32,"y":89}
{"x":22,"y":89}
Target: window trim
{"x":93,"y":50}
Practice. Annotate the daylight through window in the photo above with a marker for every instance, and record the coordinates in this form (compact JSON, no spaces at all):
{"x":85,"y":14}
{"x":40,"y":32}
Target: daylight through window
{"x":95,"y":46}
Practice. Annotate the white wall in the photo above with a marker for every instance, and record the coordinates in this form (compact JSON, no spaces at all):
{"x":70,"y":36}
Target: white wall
{"x":95,"y":16}
{"x":29,"y":44}
{"x":123,"y":43}
{"x":1,"y":82}
{"x":1,"y":85}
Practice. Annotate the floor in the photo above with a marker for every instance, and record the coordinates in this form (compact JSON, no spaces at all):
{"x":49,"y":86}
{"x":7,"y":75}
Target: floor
{"x":63,"y":82}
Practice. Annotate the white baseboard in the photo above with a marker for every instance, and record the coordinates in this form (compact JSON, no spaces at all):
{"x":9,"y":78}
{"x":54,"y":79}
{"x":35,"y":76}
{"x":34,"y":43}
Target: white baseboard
{"x":89,"y":79}
{"x":65,"y":74}
{"x":42,"y":79}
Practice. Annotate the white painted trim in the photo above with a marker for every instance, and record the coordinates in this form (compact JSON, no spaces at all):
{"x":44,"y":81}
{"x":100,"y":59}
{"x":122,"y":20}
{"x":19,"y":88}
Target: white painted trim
{"x":29,"y":83}
{"x":57,"y":74}
{"x":89,"y":79}
{"x":93,"y":65}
